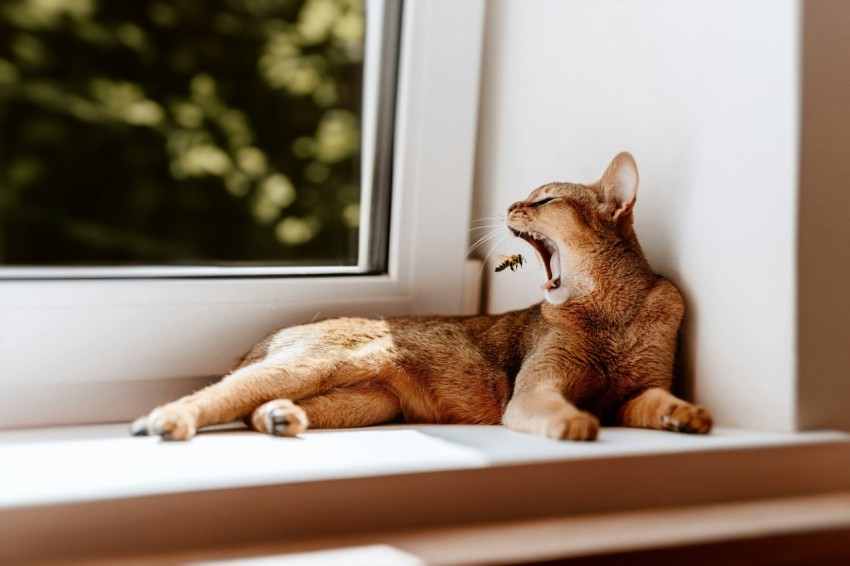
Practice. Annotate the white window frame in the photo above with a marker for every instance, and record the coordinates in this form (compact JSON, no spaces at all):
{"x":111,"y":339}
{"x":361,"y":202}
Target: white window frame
{"x":75,"y":351}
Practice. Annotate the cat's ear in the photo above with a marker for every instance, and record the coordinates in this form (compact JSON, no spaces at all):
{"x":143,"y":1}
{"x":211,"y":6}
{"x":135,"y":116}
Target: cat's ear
{"x":619,"y":184}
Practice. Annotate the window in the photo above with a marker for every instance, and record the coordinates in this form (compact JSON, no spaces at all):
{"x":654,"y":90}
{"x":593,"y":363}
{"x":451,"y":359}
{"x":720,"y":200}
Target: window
{"x":196,"y":133}
{"x":100,"y":348}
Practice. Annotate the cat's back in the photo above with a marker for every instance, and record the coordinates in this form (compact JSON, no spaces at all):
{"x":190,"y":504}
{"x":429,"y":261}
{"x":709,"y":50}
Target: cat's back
{"x":495,"y":337}
{"x":330,"y":338}
{"x":404,"y":337}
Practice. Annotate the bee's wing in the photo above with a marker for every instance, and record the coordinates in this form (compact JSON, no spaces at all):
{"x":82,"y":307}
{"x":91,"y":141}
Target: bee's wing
{"x":500,"y":257}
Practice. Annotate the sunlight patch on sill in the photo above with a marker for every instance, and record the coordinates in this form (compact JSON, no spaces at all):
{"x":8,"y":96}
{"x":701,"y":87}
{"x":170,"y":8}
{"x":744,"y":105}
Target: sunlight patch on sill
{"x":78,"y":464}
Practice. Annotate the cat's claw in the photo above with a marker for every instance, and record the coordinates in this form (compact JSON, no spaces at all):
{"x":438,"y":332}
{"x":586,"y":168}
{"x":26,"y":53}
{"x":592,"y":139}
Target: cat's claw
{"x":276,"y":422}
{"x":140,"y":426}
{"x":280,"y":417}
{"x":689,"y":419}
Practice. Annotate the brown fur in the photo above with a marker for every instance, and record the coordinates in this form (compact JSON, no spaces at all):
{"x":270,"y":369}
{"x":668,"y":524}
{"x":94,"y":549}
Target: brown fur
{"x":600,"y":347}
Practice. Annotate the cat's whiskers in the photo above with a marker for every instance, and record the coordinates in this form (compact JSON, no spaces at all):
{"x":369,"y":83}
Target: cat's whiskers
{"x":485,"y":232}
{"x":488,"y":228}
{"x":484,"y":263}
{"x":491,"y":231}
{"x":486,"y":218}
{"x":485,"y":226}
{"x":483,"y":222}
{"x":497,"y":211}
{"x":483,"y":239}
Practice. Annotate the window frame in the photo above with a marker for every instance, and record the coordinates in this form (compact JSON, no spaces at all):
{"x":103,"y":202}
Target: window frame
{"x":56,"y":335}
{"x":380,"y":68}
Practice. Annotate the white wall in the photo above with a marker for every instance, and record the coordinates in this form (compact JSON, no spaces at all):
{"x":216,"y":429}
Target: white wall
{"x":704,"y":94}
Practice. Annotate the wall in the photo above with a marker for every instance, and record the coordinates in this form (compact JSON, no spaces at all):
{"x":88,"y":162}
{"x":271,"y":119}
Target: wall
{"x":704,"y":94}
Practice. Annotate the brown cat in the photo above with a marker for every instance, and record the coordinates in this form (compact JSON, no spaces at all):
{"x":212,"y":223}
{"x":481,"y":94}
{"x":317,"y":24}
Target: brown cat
{"x":600,"y":347}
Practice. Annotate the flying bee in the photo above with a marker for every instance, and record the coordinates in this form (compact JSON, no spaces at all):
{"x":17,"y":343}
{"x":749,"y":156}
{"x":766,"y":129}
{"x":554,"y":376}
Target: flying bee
{"x":513,"y":261}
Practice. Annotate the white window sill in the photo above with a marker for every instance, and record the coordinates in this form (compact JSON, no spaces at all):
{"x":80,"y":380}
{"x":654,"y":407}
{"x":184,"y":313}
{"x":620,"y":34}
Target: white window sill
{"x":236,"y":487}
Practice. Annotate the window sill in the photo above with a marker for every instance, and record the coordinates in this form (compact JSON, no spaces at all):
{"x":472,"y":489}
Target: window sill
{"x":236,"y":487}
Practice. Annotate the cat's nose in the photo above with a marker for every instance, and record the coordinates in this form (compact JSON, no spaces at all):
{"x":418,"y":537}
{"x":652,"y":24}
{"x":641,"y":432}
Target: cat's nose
{"x":514,"y":206}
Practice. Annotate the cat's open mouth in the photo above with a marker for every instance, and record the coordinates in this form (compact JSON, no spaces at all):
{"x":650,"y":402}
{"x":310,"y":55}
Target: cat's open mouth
{"x":548,"y":252}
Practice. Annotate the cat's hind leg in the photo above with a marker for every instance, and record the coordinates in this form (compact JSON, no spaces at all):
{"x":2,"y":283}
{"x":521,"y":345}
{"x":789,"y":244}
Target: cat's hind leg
{"x":342,"y":407}
{"x":659,"y":409}
{"x":233,"y":398}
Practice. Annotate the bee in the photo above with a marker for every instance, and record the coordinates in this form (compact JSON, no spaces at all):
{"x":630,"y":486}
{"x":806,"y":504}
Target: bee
{"x":513,"y":261}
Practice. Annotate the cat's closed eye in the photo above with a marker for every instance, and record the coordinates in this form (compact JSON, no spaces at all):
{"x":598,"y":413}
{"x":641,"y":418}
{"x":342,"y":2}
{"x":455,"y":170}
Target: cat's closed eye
{"x":542,"y":201}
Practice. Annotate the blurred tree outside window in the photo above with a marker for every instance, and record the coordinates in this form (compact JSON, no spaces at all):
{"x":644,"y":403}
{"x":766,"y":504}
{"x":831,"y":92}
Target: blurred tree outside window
{"x":180,"y":132}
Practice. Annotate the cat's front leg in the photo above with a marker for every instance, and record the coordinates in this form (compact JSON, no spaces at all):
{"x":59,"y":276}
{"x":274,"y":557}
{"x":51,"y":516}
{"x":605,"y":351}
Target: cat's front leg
{"x":538,"y":407}
{"x":659,"y":409}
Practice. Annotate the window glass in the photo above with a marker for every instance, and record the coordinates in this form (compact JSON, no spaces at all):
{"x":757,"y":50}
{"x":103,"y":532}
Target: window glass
{"x":182,"y":132}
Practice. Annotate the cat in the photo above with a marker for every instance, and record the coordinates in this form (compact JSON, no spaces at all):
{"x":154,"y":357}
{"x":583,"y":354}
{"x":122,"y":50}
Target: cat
{"x":599,"y":348}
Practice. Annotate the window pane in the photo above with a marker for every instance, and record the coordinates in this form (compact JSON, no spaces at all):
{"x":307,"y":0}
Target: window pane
{"x":184,"y":132}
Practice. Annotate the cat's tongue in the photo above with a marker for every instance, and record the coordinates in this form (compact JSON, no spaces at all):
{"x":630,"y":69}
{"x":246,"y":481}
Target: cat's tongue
{"x":553,"y":283}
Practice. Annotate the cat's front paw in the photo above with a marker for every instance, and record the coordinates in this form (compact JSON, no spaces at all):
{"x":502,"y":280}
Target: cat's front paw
{"x":168,"y":423}
{"x":280,"y":417}
{"x":688,"y":418}
{"x":576,"y":426}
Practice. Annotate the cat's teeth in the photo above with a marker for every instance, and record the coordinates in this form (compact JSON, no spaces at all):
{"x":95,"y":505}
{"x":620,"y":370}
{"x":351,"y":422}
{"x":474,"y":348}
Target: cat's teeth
{"x":553,"y":283}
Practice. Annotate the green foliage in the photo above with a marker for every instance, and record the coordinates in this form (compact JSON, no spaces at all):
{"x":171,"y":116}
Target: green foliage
{"x":179,"y":132}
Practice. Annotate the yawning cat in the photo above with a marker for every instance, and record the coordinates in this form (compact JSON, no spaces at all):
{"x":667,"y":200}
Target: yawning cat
{"x":599,"y":348}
